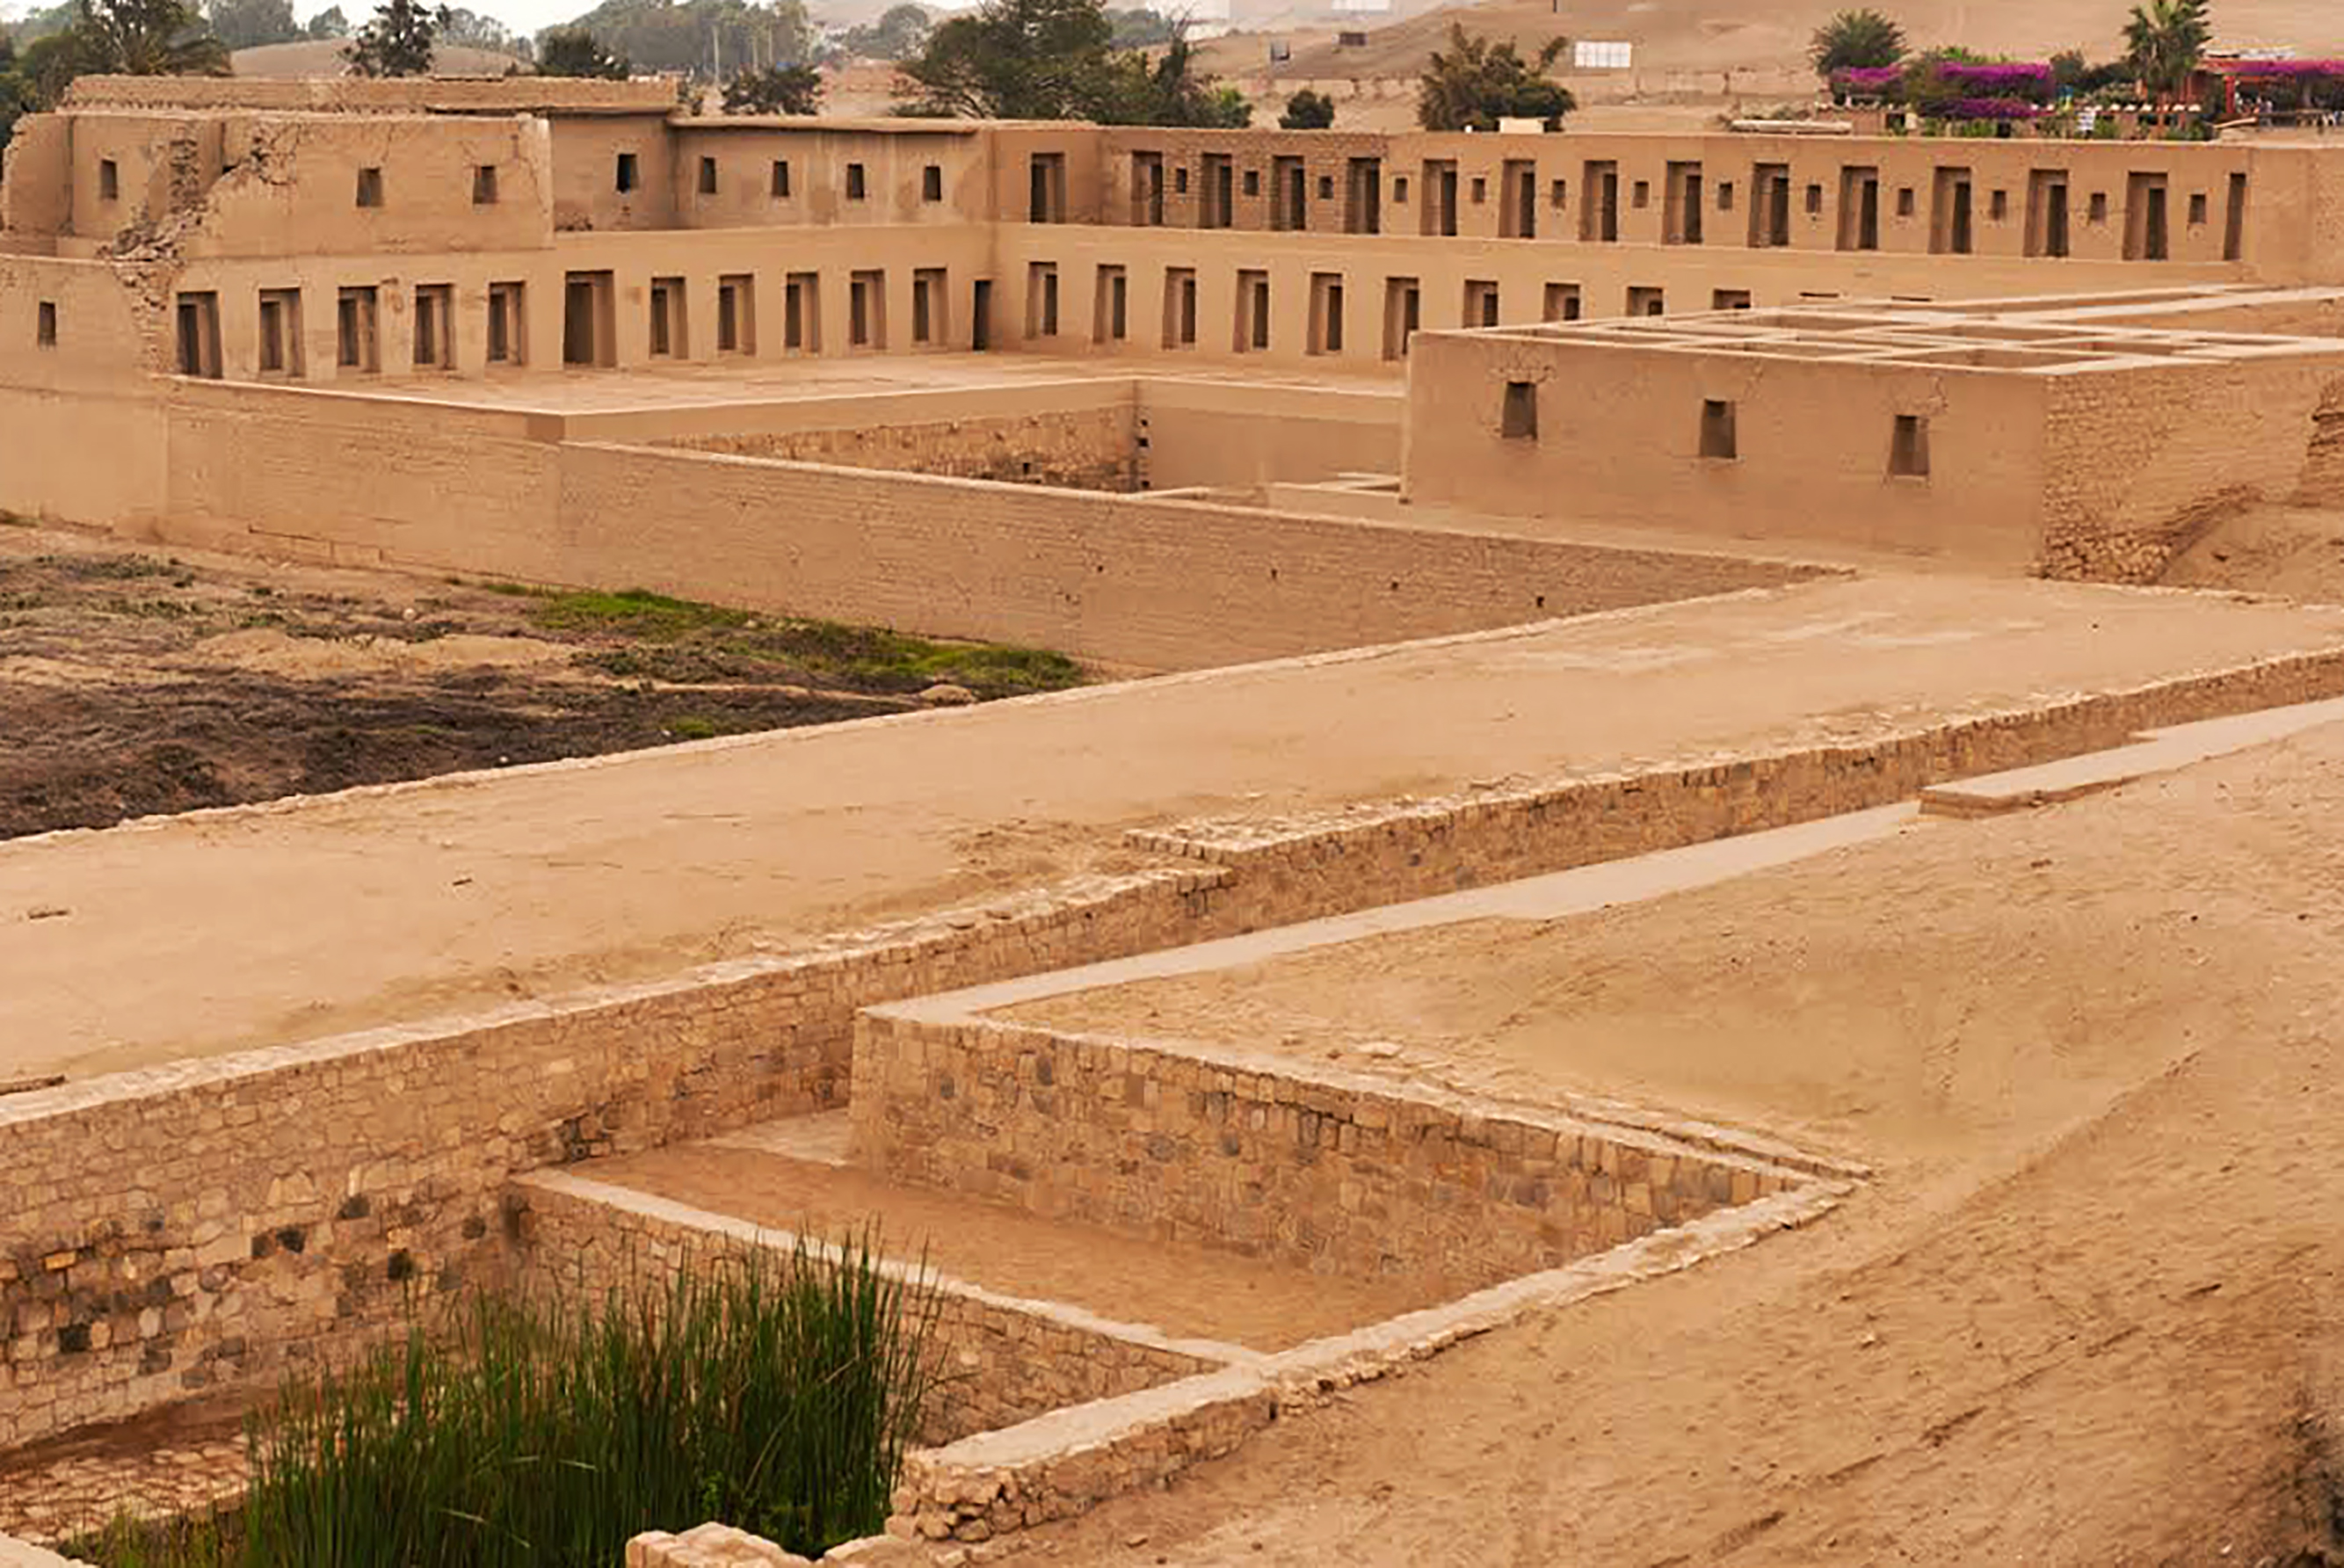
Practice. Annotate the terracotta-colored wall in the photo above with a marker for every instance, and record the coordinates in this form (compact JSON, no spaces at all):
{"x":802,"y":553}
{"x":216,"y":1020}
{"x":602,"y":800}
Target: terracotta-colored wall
{"x":1618,"y":439}
{"x":2135,"y":465}
{"x":1126,"y":580}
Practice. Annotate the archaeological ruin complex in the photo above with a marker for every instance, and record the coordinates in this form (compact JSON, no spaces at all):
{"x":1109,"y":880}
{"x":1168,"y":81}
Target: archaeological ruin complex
{"x":1643,"y":548}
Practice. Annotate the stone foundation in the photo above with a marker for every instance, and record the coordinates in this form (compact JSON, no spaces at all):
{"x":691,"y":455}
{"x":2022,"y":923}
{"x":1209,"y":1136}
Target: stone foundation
{"x":1001,"y":1360}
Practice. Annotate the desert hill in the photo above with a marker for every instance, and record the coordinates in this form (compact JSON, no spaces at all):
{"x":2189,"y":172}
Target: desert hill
{"x":1710,"y":36}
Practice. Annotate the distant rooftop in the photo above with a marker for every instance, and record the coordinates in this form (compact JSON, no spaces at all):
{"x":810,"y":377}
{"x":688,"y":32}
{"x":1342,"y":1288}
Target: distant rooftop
{"x":362,"y":95}
{"x":1895,"y":335}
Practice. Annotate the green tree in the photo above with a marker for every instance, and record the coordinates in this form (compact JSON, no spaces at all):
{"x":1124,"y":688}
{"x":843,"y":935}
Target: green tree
{"x":329,"y":24}
{"x":701,"y":37}
{"x":397,"y":43}
{"x":1307,"y":111}
{"x":1855,"y":39}
{"x":2164,"y":42}
{"x":899,"y":32}
{"x":250,"y":24}
{"x":1140,"y":28}
{"x":1137,"y":88}
{"x":575,"y":52}
{"x":471,"y":30}
{"x":1013,"y":60}
{"x":775,"y":90}
{"x":146,"y":38}
{"x":1479,"y":83}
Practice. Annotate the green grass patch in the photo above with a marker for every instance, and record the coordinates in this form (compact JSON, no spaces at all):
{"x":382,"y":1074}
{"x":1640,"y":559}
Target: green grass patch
{"x":635,"y":612}
{"x":681,"y":640}
{"x":778,"y":1395}
{"x":692,"y":727}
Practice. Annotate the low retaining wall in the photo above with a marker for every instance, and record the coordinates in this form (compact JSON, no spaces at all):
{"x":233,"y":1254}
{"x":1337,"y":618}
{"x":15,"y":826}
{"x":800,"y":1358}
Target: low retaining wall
{"x":1333,"y":1172}
{"x":207,"y":1225}
{"x":1003,"y":1361}
{"x":1294,"y":867}
{"x":1070,"y":1461}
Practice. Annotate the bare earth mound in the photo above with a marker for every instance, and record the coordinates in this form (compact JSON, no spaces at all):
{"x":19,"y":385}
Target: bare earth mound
{"x":135,"y":684}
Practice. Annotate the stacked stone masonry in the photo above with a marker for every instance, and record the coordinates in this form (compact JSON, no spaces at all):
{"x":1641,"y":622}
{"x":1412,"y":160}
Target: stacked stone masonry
{"x":1085,"y":449}
{"x":256,"y":1212}
{"x":1333,"y":1174}
{"x":999,"y":1362}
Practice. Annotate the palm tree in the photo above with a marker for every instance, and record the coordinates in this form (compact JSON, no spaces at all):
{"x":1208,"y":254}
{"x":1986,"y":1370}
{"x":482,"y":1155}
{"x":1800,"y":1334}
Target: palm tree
{"x":1856,"y":39}
{"x":2164,"y":42}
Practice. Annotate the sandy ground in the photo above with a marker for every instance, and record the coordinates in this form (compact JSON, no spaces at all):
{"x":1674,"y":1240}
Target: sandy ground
{"x":2295,"y":551}
{"x":263,"y":925}
{"x":1186,"y":1292}
{"x":2088,"y":1312}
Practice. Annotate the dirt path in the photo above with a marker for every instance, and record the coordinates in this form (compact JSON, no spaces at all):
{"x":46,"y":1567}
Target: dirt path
{"x":212,"y":932}
{"x":2088,"y":1313}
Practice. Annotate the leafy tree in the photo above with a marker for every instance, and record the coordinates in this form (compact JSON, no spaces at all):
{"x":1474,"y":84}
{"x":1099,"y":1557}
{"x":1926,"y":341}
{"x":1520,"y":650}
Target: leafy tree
{"x":1307,"y":111}
{"x":329,"y":24}
{"x":899,"y":32}
{"x":1855,"y":40}
{"x":1479,"y":83}
{"x":141,"y":38}
{"x":575,"y":52}
{"x":36,"y":24}
{"x":471,"y":30}
{"x":2163,"y":41}
{"x":1140,"y":28}
{"x":697,"y":36}
{"x":1012,"y":60}
{"x":397,"y":43}
{"x":1164,"y":89}
{"x":1056,"y":60}
{"x":248,"y":23}
{"x":775,"y":90}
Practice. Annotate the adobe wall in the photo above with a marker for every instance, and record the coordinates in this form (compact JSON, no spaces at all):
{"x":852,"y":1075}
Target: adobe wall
{"x":2137,"y":466}
{"x":2278,"y":231}
{"x":1089,"y":449}
{"x":1687,"y":279}
{"x":1146,"y":584}
{"x":997,"y":1361}
{"x":1161,"y":585}
{"x":254,"y":1212}
{"x":1618,"y":432}
{"x":1240,"y":434}
{"x":1333,"y":1173}
{"x":364,"y":95}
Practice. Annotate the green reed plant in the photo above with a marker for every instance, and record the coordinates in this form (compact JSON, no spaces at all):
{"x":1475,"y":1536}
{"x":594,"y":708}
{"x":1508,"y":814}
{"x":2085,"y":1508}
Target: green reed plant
{"x":777,"y":1394}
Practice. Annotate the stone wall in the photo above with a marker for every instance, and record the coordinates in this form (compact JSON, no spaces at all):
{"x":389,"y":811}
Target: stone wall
{"x":1089,"y":449}
{"x":2138,"y":466}
{"x":250,"y":1213}
{"x":1332,"y":1172}
{"x":14,"y":1554}
{"x":1291,"y":867}
{"x":1132,"y":583}
{"x":999,"y":1362}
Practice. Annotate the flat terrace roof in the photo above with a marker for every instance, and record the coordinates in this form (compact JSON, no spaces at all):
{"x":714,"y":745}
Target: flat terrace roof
{"x":226,"y":930}
{"x":1930,"y":338}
